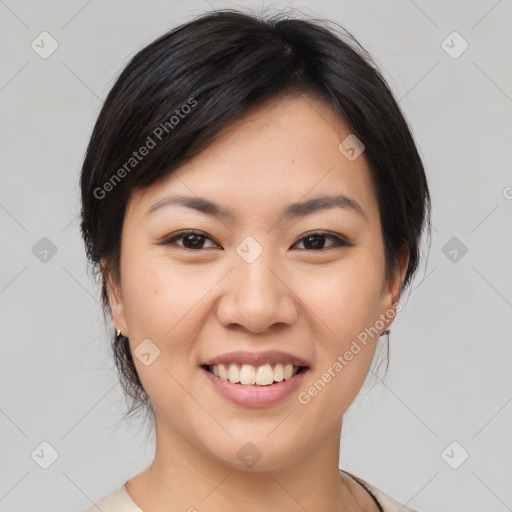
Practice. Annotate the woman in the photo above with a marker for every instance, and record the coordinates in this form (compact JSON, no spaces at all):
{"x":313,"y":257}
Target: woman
{"x":254,"y":201}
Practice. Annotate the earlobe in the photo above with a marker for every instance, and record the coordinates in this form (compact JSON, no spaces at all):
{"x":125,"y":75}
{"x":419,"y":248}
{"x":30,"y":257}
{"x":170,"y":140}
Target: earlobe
{"x":115,"y":298}
{"x":394,"y":287}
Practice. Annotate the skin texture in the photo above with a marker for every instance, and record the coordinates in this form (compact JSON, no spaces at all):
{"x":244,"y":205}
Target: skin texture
{"x":197,"y":303}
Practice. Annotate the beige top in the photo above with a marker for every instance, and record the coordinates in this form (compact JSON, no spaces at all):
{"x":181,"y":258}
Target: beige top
{"x":120,"y":501}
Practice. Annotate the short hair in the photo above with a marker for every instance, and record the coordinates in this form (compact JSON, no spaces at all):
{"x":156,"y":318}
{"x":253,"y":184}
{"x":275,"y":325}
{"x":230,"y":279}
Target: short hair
{"x":183,"y":90}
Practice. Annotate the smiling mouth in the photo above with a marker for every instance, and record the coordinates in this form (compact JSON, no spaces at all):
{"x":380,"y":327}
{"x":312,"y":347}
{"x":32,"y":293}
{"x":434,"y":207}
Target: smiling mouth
{"x":247,"y":374}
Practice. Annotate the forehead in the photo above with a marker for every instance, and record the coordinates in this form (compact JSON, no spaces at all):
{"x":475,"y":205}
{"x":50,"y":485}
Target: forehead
{"x":284,"y":150}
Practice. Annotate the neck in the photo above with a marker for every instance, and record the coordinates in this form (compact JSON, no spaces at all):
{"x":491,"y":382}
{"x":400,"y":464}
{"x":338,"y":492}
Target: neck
{"x":183,"y":476}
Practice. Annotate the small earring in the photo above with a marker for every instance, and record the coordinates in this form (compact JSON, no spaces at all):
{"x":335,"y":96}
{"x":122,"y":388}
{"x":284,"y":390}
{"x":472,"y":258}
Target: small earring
{"x":118,"y":333}
{"x":385,"y":332}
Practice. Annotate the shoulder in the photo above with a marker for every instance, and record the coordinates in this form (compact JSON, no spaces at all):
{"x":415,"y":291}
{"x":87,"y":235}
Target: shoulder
{"x":117,"y":501}
{"x":386,"y":502}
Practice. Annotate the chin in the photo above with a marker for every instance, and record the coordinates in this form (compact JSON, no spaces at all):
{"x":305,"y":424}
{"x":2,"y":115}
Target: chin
{"x":254,"y":453}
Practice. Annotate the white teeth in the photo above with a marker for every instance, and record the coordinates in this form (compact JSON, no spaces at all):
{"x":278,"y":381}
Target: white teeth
{"x":278,"y":372}
{"x":233,"y":373}
{"x":262,"y":375}
{"x":223,"y":371}
{"x":247,"y":374}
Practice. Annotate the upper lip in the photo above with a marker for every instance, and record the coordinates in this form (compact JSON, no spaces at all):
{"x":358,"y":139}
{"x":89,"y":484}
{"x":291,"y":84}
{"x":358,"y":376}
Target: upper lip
{"x":257,"y":359}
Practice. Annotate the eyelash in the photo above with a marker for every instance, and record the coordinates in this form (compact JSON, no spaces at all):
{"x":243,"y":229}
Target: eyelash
{"x":339,"y":242}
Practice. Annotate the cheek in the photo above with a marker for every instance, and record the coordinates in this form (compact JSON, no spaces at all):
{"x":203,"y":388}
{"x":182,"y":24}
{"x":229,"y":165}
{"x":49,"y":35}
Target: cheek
{"x":345,"y":347}
{"x":162,"y":303}
{"x":345,"y":297}
{"x":159,"y":294}
{"x":166,"y":303}
{"x":346,"y":304}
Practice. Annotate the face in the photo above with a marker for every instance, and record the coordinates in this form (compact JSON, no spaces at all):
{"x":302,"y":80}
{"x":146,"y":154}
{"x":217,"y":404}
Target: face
{"x":277,"y":285}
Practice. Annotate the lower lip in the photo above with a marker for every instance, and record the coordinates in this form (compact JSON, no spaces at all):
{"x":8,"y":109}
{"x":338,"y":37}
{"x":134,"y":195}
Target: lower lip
{"x":252,"y":395}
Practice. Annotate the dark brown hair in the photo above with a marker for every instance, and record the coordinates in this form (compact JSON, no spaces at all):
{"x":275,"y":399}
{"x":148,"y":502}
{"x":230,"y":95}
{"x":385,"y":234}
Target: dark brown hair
{"x":180,"y":92}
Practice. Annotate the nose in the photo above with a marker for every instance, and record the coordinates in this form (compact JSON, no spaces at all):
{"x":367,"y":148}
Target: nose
{"x":256,"y":297}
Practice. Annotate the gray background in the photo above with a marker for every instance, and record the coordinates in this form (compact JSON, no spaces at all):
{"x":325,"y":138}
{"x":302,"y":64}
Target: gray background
{"x":449,"y":377}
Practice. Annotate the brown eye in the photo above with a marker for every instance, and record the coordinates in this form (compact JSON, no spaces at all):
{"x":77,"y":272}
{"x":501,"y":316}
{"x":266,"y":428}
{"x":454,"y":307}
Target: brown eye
{"x":316,"y":241}
{"x":191,"y":240}
{"x":195,"y":240}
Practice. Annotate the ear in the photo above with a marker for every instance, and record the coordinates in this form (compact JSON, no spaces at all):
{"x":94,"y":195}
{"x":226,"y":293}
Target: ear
{"x":115,"y":298}
{"x":392,"y":288}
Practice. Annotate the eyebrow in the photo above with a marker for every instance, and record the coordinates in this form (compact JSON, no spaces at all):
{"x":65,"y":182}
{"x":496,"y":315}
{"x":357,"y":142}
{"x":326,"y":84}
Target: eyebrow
{"x":298,"y":209}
